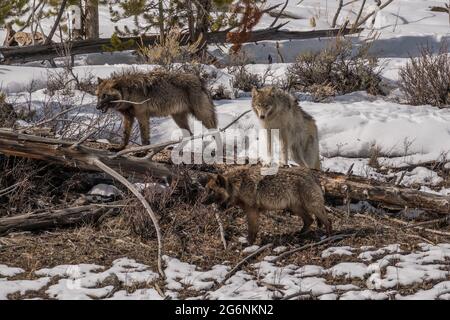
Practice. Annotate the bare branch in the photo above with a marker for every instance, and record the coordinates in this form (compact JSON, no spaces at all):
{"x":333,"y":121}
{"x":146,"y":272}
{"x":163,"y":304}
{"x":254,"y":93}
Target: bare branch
{"x":131,"y":102}
{"x":49,"y":120}
{"x":311,"y":245}
{"x":144,"y":202}
{"x":338,"y":11}
{"x":55,"y":26}
{"x":182,"y":139}
{"x":222,"y":233}
{"x":371,"y":14}
{"x":359,"y":13}
{"x":240,"y":263}
{"x":279,"y":14}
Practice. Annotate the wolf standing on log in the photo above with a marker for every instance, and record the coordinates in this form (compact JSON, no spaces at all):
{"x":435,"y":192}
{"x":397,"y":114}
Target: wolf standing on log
{"x":292,"y":189}
{"x":277,"y":109}
{"x":163,"y":93}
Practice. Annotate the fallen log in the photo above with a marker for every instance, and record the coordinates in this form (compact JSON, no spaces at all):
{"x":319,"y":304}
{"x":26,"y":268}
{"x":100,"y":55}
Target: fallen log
{"x":55,"y":219}
{"x":385,"y":195}
{"x":25,"y":54}
{"x":335,"y":185}
{"x":62,"y":152}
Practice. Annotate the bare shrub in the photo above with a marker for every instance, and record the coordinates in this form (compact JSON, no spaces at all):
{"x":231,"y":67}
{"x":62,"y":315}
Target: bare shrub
{"x":426,"y":79}
{"x":170,"y":51}
{"x":164,"y":199}
{"x":338,"y":69}
{"x":7,"y":114}
{"x":28,"y":185}
{"x":374,"y":154}
{"x":245,"y":80}
{"x":220,"y":93}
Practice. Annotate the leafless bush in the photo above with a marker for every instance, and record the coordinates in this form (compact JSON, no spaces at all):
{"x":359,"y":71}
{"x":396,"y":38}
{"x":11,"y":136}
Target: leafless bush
{"x":170,"y":51}
{"x":426,"y":79}
{"x":374,"y":154}
{"x":28,"y":185}
{"x":338,"y":69}
{"x":66,"y":81}
{"x":7,"y":114}
{"x":164,"y":199}
{"x":245,"y":80}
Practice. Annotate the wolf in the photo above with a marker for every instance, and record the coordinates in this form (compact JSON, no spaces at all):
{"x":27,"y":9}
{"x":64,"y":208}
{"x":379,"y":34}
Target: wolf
{"x":292,"y":189}
{"x":21,"y":38}
{"x":156,"y":93}
{"x":277,"y":109}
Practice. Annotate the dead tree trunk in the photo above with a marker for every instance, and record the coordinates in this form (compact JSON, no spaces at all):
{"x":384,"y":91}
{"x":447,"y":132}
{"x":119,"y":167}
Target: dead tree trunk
{"x":46,"y":52}
{"x":384,"y":195}
{"x":91,"y":23}
{"x":335,"y":185}
{"x":54,"y":219}
{"x":62,"y":152}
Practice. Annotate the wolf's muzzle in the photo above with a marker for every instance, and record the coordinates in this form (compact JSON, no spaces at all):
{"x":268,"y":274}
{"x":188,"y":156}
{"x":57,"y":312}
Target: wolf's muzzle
{"x":104,"y":104}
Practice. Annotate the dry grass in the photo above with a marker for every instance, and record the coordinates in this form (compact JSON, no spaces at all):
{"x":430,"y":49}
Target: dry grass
{"x":338,"y":69}
{"x":7,"y":114}
{"x":426,"y":79}
{"x":37,"y":186}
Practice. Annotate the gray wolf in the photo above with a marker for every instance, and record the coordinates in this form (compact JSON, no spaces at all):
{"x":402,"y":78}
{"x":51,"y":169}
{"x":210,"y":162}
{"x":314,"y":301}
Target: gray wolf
{"x":166,"y":93}
{"x":292,"y":189}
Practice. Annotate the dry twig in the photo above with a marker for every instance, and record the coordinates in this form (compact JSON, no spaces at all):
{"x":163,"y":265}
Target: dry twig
{"x":243,"y":261}
{"x":144,"y":202}
{"x":162,"y":145}
{"x":311,"y":245}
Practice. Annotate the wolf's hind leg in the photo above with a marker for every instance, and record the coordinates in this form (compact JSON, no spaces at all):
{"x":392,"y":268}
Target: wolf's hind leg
{"x":307,"y":219}
{"x":204,"y":111}
{"x":181,"y":119}
{"x":319,"y":212}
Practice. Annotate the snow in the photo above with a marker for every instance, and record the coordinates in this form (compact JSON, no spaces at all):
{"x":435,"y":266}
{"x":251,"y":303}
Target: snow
{"x":6,"y":271}
{"x":390,"y":268}
{"x":21,"y":286}
{"x":140,"y":294}
{"x":349,"y":270}
{"x":105,"y":190}
{"x":80,"y":281}
{"x":250,"y":249}
{"x":340,"y":251}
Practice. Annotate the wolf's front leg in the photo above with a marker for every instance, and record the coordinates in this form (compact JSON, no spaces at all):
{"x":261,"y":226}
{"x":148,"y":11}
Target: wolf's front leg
{"x":128,"y":121}
{"x":269,"y":146}
{"x":144,"y":128}
{"x":253,"y":225}
{"x":284,"y":151}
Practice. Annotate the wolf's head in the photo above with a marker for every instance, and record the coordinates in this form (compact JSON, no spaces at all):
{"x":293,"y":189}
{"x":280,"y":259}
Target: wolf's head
{"x":106,"y":92}
{"x":218,"y":190}
{"x":264,"y":102}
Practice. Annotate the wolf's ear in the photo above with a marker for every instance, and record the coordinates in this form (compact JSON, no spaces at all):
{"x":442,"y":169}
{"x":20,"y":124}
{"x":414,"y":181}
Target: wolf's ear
{"x":222,"y":181}
{"x":100,"y":80}
{"x":271,"y":91}
{"x":254,"y":91}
